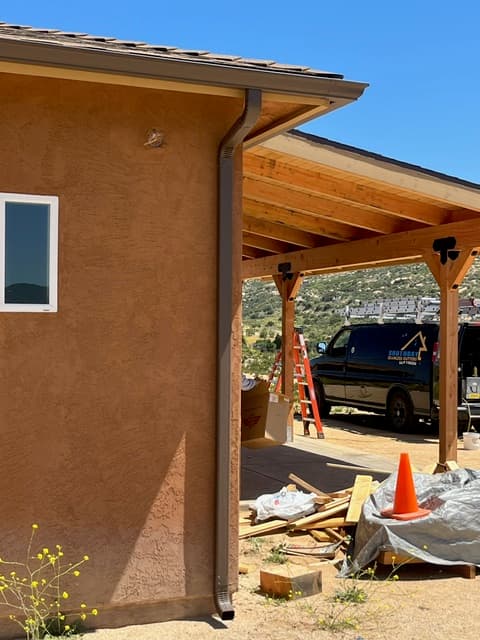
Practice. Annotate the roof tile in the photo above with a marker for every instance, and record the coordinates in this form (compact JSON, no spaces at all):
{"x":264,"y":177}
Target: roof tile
{"x":131,"y":47}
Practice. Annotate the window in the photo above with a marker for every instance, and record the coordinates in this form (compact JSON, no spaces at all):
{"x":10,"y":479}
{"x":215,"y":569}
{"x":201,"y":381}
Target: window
{"x":339,"y":347}
{"x":28,"y":252}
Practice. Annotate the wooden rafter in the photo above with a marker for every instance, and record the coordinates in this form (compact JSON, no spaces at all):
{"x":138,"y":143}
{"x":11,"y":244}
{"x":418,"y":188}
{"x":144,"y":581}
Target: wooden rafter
{"x":304,"y":221}
{"x":314,"y":204}
{"x":343,"y":189}
{"x":266,"y":244}
{"x":279,"y":232}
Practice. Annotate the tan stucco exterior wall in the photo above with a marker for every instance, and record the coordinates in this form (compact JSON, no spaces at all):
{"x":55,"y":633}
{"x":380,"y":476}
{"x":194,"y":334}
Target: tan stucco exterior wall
{"x":108,"y":406}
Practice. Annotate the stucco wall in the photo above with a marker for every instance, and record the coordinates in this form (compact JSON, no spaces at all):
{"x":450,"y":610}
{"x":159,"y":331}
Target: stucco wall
{"x":108,"y":406}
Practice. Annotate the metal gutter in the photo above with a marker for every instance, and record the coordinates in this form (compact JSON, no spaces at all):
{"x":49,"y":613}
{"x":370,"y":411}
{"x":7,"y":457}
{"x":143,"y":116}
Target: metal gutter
{"x":225,"y":266}
{"x":191,"y":70}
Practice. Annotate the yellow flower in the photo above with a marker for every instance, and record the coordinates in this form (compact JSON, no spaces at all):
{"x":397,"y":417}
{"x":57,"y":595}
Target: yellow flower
{"x":94,"y":612}
{"x":67,"y":627}
{"x":13,"y":574}
{"x":65,"y":595}
{"x":45,"y":551}
{"x":83,"y":606}
{"x":35,"y":584}
{"x":86,"y":558}
{"x":40,"y":556}
{"x":34,"y":526}
{"x":83,"y":616}
{"x":76,"y":573}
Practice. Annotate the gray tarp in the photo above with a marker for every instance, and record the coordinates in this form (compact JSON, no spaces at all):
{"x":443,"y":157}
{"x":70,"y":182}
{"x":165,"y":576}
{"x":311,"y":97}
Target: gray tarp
{"x":450,"y":534}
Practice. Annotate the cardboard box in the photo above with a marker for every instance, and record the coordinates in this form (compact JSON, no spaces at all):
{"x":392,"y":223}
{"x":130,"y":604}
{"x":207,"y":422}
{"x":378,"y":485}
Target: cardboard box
{"x":264,"y":417}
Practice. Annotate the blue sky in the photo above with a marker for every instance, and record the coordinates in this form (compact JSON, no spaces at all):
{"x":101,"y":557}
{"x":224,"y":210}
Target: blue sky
{"x":420,"y":57}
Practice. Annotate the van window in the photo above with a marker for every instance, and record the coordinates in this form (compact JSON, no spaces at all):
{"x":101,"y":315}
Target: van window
{"x":469,"y":356}
{"x":339,"y":346}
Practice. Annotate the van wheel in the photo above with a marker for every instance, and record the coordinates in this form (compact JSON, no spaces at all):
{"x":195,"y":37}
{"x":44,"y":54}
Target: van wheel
{"x":399,"y":412}
{"x":323,"y":406}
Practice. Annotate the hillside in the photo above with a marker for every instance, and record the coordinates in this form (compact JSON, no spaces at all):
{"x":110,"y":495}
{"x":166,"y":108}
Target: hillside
{"x":321,"y":303}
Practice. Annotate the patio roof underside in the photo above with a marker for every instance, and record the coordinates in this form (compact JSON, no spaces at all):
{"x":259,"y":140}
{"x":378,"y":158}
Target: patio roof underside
{"x":322,"y":207}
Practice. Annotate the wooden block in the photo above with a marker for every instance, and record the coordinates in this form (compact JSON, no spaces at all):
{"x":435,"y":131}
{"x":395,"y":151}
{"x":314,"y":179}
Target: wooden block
{"x":361,"y":491}
{"x":291,"y":581}
{"x":320,"y":536}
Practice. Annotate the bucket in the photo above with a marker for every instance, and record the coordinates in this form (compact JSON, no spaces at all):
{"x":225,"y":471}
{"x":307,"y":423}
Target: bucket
{"x":471,"y":440}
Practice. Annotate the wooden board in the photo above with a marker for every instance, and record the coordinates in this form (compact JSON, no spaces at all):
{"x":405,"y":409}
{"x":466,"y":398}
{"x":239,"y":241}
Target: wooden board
{"x":273,"y":526}
{"x":361,"y":491}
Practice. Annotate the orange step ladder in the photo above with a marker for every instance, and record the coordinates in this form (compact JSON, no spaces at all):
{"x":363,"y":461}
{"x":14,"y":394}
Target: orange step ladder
{"x":303,"y":377}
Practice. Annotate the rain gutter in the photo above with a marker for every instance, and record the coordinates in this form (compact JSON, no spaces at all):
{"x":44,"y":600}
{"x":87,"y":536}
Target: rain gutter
{"x":226,"y":273}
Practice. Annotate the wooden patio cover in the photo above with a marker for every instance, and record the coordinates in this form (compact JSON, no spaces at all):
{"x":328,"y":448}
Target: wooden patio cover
{"x":312,"y":206}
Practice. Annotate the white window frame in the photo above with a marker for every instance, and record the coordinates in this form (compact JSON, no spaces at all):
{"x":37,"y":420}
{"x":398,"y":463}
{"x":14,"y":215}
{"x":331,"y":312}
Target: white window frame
{"x":52,"y":201}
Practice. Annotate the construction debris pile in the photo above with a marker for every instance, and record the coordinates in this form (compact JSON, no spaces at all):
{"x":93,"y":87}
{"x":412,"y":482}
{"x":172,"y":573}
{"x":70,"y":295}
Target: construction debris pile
{"x":449,"y":534}
{"x":379,"y":522}
{"x":334,"y":516}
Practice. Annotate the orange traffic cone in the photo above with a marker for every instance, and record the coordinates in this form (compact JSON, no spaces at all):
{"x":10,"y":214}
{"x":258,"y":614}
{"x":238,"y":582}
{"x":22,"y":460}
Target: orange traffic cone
{"x":405,"y":506}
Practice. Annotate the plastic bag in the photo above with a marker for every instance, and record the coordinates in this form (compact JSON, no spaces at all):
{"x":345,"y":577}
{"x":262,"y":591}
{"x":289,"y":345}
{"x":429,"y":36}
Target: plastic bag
{"x":284,"y":504}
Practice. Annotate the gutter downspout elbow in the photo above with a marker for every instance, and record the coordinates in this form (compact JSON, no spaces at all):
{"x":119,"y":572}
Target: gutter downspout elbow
{"x":225,"y":273}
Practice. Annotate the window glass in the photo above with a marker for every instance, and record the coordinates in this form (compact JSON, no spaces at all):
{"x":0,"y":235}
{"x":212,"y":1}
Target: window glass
{"x":27,"y":253}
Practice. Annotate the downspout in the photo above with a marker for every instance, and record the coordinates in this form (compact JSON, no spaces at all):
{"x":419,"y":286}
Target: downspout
{"x":235,"y":137}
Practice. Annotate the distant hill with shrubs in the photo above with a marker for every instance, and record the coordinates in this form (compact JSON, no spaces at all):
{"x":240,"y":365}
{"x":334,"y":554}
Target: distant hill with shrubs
{"x":321,"y":302}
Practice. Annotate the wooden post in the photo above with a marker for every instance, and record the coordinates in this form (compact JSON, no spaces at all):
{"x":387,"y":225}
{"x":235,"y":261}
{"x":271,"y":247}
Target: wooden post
{"x":449,"y":272}
{"x":288,"y":286}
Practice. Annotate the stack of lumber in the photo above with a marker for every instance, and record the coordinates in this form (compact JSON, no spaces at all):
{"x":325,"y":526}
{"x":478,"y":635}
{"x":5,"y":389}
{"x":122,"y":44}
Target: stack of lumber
{"x":336,"y":513}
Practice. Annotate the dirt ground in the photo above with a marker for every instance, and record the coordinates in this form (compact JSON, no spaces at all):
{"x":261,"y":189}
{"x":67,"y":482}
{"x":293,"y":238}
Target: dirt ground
{"x":424,"y":603}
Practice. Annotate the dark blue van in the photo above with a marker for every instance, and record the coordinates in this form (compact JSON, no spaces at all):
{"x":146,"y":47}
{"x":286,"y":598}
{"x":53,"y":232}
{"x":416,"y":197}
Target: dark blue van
{"x":392,"y":368}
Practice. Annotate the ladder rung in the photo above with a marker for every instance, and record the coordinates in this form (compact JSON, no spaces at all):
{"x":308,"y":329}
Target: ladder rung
{"x":306,"y":401}
{"x":309,"y":419}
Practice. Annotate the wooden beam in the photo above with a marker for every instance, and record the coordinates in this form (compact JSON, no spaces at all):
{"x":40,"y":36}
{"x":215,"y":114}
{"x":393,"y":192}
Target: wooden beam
{"x":251,"y":253}
{"x":346,"y":188}
{"x":308,"y":202}
{"x":407,"y":246}
{"x":266,"y":244}
{"x":288,"y":288}
{"x":280,"y":232}
{"x":448,"y":277}
{"x":303,"y":221}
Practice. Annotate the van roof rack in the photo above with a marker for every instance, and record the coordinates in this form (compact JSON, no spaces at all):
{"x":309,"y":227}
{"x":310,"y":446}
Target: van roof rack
{"x":417,"y":309}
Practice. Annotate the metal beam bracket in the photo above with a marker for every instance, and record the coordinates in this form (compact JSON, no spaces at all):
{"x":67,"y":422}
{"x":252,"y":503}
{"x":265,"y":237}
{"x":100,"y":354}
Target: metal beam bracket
{"x":445,"y":247}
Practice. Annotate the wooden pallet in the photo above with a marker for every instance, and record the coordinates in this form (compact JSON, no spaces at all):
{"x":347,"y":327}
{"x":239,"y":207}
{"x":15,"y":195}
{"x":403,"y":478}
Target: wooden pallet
{"x":391,"y":559}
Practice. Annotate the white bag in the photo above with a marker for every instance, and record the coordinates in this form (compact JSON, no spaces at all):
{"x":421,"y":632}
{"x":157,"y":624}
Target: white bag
{"x":285,"y":505}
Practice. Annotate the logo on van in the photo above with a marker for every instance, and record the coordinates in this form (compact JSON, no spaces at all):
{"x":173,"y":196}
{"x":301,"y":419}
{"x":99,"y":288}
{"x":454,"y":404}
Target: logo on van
{"x":411,"y":352}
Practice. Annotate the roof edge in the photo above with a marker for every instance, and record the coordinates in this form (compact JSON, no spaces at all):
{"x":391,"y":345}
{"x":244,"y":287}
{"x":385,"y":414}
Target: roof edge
{"x":180,"y":70}
{"x":364,"y":154}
